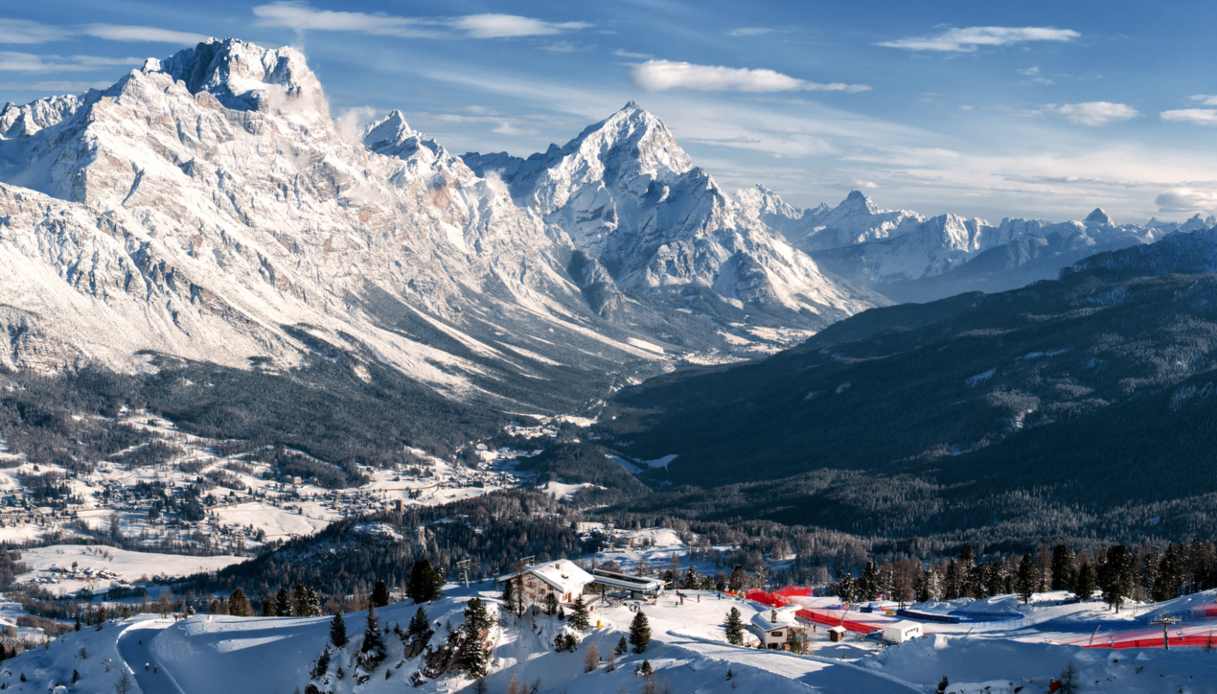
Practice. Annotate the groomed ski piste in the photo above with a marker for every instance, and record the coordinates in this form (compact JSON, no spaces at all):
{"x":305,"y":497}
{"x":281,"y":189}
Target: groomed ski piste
{"x":689,"y":652}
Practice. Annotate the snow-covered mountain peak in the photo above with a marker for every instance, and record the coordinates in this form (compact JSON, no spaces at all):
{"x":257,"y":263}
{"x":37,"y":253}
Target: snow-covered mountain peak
{"x":1098,"y":217}
{"x":390,"y":130}
{"x":856,"y":202}
{"x":246,"y":76}
{"x":635,"y":137}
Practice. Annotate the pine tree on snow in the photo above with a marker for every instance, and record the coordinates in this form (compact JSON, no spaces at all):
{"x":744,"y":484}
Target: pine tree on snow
{"x":338,"y":630}
{"x":579,"y":618}
{"x":640,"y":632}
{"x":372,"y":650}
{"x":734,"y":627}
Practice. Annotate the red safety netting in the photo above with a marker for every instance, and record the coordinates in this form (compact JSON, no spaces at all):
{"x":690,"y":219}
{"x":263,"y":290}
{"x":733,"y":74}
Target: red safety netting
{"x":1197,"y":640}
{"x":767,"y":598}
{"x":791,"y":591}
{"x":834,"y":620}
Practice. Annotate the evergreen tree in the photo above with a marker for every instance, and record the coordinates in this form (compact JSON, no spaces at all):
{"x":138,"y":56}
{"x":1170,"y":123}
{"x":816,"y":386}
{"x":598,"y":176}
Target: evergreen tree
{"x":322,"y":665}
{"x":1084,"y":581}
{"x":646,"y":670}
{"x":869,"y":583}
{"x":1116,"y":576}
{"x":551,"y":604}
{"x":372,"y":650}
{"x":425,"y":582}
{"x":238,"y":604}
{"x":419,"y":624}
{"x":621,"y":648}
{"x":921,"y":586}
{"x":736,"y":582}
{"x":472,"y":657}
{"x":969,"y":586}
{"x":304,"y":601}
{"x":1062,"y":568}
{"x":1027,"y":579}
{"x":579,"y":618}
{"x":951,"y":585}
{"x":380,"y":594}
{"x":338,"y":630}
{"x":847,"y":589}
{"x":1169,"y":579}
{"x":734,"y":627}
{"x":283,"y":604}
{"x":640,"y":632}
{"x":419,"y":633}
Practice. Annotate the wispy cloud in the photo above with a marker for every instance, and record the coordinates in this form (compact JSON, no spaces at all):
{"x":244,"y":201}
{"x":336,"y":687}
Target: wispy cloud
{"x":1093,"y":113}
{"x":1036,"y":76}
{"x":15,"y":61}
{"x":1194,"y":116}
{"x":632,"y":55}
{"x":1205,"y":99}
{"x":21,"y":31}
{"x":970,"y":39}
{"x":137,"y":33}
{"x":498,"y":26}
{"x":303,"y":17}
{"x":24,"y":31}
{"x":560,"y":47}
{"x":751,"y":31}
{"x":664,"y":75}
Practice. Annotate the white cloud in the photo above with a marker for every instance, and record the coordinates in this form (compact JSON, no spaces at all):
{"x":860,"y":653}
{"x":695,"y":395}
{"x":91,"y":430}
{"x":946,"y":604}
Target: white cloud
{"x":14,"y":61}
{"x":1205,"y":99}
{"x":560,"y":47}
{"x":751,"y":31}
{"x":497,"y":26}
{"x":969,"y":39}
{"x":147,"y":34}
{"x":1195,"y":116}
{"x":1178,"y":200}
{"x":1093,"y":113}
{"x":632,"y":55}
{"x":664,"y":75}
{"x":21,"y":31}
{"x":303,"y":17}
{"x":25,"y":31}
{"x":1035,"y":75}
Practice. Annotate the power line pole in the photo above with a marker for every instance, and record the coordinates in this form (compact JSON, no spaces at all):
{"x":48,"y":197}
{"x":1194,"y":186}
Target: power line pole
{"x":464,"y":566}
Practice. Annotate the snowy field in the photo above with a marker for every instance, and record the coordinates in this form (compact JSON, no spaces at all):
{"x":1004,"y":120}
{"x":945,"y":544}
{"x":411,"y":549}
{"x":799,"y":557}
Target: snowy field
{"x":689,"y":652}
{"x":64,"y":569}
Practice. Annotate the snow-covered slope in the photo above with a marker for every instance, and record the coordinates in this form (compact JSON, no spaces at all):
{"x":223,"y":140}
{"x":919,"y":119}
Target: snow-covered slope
{"x":631,"y":198}
{"x":206,"y":206}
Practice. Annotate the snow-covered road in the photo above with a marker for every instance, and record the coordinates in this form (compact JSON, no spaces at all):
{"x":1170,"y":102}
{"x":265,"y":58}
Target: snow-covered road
{"x":135,"y":648}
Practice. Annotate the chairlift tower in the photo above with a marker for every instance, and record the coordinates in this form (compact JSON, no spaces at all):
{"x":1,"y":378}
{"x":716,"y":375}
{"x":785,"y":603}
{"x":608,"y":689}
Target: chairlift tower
{"x":1166,"y":621}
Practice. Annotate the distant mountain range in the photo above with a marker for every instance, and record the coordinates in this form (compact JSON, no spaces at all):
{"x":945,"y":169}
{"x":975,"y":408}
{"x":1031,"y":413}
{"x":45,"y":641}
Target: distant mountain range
{"x":907,"y":256}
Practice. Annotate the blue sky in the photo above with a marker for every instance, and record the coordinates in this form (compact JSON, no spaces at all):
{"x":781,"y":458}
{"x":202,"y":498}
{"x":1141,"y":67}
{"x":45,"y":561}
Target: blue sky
{"x":1035,"y":109}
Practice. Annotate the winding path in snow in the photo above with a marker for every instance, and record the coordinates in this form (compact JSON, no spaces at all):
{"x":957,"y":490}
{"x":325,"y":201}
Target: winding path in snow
{"x":135,"y":648}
